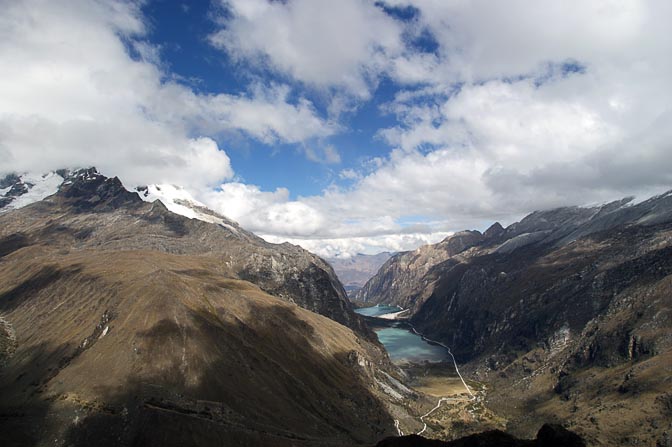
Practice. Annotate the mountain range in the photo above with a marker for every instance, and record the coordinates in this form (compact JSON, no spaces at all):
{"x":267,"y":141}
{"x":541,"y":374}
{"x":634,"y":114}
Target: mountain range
{"x":565,"y":315}
{"x":141,"y":317}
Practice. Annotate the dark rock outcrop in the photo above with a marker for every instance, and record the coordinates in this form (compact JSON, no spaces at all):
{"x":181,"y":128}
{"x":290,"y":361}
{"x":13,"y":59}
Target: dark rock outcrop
{"x":550,"y":435}
{"x":88,"y":190}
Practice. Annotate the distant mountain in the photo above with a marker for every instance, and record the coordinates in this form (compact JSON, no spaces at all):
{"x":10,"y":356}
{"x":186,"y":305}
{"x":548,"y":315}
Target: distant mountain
{"x":566,"y":315}
{"x":124,"y":323}
{"x":355,"y":271}
{"x":402,"y":275}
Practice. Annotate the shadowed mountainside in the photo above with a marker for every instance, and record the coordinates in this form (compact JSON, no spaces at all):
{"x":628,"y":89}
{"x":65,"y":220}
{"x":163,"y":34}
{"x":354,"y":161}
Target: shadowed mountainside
{"x":567,"y":315}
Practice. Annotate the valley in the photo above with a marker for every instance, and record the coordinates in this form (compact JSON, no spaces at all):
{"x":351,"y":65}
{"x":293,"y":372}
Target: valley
{"x":124,"y":322}
{"x":356,"y":270}
{"x":429,"y":368}
{"x":562,"y":317}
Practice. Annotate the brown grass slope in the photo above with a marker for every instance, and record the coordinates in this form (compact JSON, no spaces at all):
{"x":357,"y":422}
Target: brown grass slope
{"x":148,"y":348}
{"x":124,"y":324}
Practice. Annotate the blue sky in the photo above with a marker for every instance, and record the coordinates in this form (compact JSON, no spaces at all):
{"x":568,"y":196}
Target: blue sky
{"x":181,"y":31}
{"x":349,"y":126}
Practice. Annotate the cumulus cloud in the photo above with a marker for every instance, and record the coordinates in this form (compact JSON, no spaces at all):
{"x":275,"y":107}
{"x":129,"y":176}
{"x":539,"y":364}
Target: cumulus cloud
{"x":322,"y":224}
{"x":506,"y":108}
{"x":518,"y":106}
{"x":322,"y":43}
{"x":72,"y":95}
{"x":262,"y":211}
{"x":345,"y":247}
{"x":480,"y":40}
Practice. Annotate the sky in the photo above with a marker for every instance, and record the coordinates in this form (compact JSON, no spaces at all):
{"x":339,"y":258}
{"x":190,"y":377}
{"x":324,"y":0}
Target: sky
{"x":346,"y":126}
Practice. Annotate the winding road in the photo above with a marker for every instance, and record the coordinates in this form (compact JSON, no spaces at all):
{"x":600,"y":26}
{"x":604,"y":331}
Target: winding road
{"x":442,"y":399}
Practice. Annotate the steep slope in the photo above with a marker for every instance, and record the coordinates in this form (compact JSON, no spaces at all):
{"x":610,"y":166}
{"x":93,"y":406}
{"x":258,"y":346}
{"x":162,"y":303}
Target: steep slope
{"x":147,"y":348}
{"x":356,"y":270}
{"x":126,"y":324}
{"x":402,"y":275}
{"x":566,"y":315}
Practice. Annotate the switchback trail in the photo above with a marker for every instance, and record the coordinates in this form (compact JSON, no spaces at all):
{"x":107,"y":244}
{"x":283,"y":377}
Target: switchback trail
{"x":442,"y":399}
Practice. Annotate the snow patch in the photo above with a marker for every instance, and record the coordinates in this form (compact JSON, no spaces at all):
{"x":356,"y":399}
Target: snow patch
{"x":179,"y":201}
{"x":42,"y":187}
{"x":388,"y":390}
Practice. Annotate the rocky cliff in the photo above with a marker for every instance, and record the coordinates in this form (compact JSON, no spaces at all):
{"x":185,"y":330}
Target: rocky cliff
{"x":567,"y":315}
{"x":403,"y":275}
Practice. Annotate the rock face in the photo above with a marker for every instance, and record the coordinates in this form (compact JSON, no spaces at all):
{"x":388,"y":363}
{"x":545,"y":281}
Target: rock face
{"x":122,"y":323}
{"x":403,"y":275}
{"x":567,"y":314}
{"x":356,"y":270}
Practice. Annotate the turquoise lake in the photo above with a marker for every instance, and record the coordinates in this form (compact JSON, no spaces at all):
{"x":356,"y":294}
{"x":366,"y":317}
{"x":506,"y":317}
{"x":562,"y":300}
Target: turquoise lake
{"x":401,"y":343}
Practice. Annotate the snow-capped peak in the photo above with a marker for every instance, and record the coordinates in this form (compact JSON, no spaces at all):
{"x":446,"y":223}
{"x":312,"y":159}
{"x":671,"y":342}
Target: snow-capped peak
{"x":17,"y":191}
{"x":180,"y":201}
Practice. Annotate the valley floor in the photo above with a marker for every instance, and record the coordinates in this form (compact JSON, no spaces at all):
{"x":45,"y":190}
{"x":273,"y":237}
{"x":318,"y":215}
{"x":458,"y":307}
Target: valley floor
{"x":448,"y":411}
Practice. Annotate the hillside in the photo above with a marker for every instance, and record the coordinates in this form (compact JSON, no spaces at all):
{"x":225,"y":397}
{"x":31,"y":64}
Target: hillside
{"x":126,"y":324}
{"x":566,"y":315}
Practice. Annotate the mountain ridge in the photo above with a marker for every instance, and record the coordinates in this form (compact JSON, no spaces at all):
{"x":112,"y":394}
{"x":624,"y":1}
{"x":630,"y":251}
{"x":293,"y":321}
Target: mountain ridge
{"x":87,"y":190}
{"x":566,"y":315}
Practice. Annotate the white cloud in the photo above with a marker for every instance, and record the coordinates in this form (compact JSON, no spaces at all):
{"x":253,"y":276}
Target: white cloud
{"x":484,"y":40}
{"x":523,"y":105}
{"x":261,"y":211}
{"x":323,"y":154}
{"x":349,"y":174}
{"x":337,"y":223}
{"x":71,"y":95}
{"x":325,"y":44}
{"x":345,"y":247}
{"x":529,"y":131}
{"x":264,"y":113}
